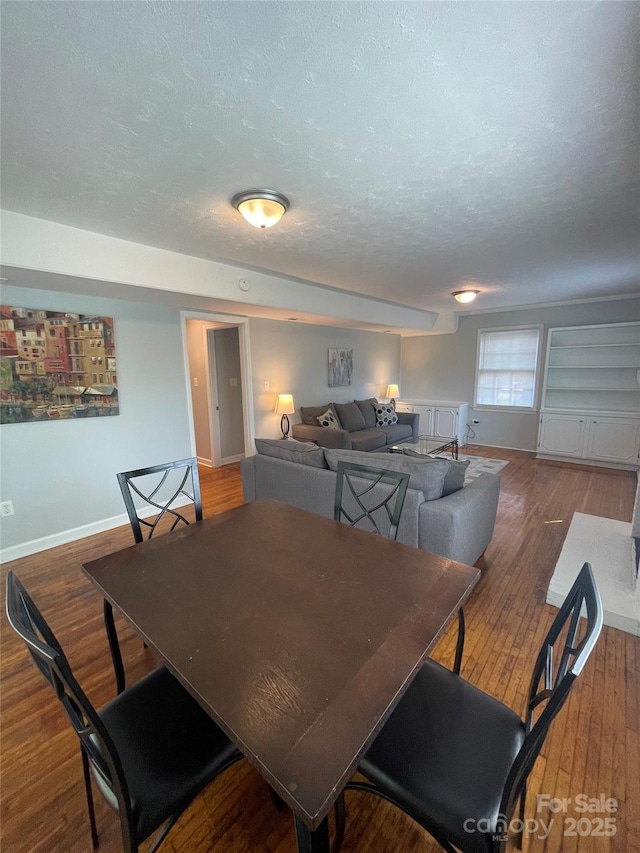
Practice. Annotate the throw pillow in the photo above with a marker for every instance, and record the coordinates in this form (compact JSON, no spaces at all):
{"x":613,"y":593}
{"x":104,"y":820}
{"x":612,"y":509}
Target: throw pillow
{"x":303,"y":452}
{"x":386,"y":414}
{"x":310,"y":414}
{"x":368,"y":409}
{"x":328,"y":421}
{"x":350,"y":416}
{"x":426,"y":475}
{"x":454,"y":480}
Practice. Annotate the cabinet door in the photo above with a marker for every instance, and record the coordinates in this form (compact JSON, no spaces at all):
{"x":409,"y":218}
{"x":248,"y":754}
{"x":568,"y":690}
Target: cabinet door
{"x":426,"y":419}
{"x":403,"y":407}
{"x":562,"y":434}
{"x":614,"y":439}
{"x":445,"y":423}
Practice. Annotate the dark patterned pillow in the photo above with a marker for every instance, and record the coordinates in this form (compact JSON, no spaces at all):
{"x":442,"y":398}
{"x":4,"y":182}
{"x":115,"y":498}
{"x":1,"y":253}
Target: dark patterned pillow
{"x":328,"y":420}
{"x":386,"y":414}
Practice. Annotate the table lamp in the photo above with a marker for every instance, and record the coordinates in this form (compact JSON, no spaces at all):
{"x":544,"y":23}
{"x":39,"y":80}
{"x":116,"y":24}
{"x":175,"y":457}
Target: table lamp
{"x":284,"y":407}
{"x":392,"y":392}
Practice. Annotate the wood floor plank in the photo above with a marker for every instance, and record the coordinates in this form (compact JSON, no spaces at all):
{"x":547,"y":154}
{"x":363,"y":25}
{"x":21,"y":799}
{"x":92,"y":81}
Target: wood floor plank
{"x":593,"y":747}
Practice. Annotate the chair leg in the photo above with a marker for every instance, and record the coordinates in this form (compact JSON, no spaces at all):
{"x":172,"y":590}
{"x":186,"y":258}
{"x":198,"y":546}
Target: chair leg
{"x":276,"y":799}
{"x":460,"y":644}
{"x":114,"y":646}
{"x":523,"y":800}
{"x":340,"y":815}
{"x":95,"y":841}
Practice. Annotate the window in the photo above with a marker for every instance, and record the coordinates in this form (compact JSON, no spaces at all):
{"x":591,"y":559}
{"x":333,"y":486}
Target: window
{"x":507,"y":367}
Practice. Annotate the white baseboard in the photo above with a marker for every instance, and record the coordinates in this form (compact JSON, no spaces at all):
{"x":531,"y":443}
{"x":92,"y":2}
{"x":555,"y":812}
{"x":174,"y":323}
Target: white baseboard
{"x":620,"y":466}
{"x":208,"y":463}
{"x":34,"y":546}
{"x":227,"y":460}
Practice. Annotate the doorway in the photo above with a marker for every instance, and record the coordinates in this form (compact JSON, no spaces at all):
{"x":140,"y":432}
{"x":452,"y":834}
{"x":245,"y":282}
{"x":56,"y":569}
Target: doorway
{"x":217,"y":362}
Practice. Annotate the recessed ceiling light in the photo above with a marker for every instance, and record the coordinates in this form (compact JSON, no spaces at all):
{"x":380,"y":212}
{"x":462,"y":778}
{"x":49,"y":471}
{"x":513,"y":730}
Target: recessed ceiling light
{"x":3,"y":279}
{"x":293,"y":319}
{"x":465,"y":295}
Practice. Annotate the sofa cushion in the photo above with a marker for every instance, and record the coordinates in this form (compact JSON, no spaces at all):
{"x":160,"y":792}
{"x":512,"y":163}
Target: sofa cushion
{"x":396,"y":432}
{"x":368,"y":439}
{"x":303,"y":452}
{"x":367,"y":407}
{"x":386,"y":414}
{"x":350,"y":416}
{"x":425,"y":475}
{"x":454,"y":480}
{"x":328,"y":420}
{"x":310,"y":414}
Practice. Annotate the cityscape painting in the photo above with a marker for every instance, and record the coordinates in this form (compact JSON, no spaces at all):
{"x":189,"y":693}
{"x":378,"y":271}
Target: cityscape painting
{"x":56,"y":365}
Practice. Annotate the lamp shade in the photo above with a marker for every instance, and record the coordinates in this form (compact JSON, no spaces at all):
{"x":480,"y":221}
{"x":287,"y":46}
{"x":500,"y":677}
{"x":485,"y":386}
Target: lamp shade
{"x":393,"y":391}
{"x":261,"y":208}
{"x":284,"y":404}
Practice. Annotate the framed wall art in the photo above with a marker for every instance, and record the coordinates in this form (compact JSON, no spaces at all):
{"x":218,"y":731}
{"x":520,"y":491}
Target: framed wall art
{"x":55,"y":365}
{"x":340,"y":367}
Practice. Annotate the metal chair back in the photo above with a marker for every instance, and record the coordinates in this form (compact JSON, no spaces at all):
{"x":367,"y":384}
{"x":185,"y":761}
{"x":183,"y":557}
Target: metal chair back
{"x":370,"y":497}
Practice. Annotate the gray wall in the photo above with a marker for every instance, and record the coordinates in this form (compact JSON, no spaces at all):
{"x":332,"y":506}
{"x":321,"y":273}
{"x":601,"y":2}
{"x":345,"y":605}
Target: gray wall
{"x":293,"y":358}
{"x":62,"y":474}
{"x":442,"y":367}
{"x":227,"y":358}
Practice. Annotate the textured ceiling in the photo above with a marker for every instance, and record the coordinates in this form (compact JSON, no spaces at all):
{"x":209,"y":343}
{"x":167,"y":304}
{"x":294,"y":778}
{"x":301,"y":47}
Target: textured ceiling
{"x":424,"y":146}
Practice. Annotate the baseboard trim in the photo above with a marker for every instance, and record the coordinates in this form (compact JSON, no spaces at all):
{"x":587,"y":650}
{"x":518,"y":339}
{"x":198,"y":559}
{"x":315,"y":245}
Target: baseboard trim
{"x":34,"y":546}
{"x":227,"y":460}
{"x":208,"y":463}
{"x":619,"y":466}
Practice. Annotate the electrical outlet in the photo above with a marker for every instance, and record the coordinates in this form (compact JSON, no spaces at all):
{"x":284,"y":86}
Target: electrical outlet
{"x":266,"y":384}
{"x":6,"y":509}
{"x":195,"y":381}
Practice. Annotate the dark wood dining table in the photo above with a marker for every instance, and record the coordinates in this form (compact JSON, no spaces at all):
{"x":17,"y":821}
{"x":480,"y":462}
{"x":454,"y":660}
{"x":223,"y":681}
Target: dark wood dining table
{"x":297,"y":634}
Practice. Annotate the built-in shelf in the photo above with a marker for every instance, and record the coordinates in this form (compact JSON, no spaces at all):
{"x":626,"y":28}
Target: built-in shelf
{"x":591,"y":394}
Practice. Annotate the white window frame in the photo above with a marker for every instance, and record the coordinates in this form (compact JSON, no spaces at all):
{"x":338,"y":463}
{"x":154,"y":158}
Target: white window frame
{"x":536,"y":379}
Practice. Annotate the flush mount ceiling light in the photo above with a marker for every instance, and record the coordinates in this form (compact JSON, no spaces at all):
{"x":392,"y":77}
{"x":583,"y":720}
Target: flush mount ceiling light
{"x":261,"y":208}
{"x":465,"y":295}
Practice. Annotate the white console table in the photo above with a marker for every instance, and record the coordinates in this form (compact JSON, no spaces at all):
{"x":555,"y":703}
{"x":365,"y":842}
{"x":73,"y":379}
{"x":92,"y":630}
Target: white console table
{"x":442,"y":419}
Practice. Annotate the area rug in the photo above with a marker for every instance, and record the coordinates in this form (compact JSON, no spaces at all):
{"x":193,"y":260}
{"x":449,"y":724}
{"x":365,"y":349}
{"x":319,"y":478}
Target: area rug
{"x":478,"y":465}
{"x":607,"y":545}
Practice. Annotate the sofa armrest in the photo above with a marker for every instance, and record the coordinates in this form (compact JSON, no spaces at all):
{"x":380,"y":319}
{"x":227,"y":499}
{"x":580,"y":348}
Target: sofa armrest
{"x":337,"y":439}
{"x":411,"y":418}
{"x":460,"y":526}
{"x":248,"y":474}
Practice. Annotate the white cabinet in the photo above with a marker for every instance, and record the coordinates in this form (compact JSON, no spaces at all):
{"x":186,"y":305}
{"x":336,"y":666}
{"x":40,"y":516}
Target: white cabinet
{"x":442,"y":419}
{"x":614,"y":439}
{"x":585,"y":437}
{"x":562,"y":434}
{"x":591,"y":395}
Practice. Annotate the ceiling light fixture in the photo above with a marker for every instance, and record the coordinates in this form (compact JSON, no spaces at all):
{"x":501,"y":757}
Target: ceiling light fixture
{"x":261,"y":208}
{"x":465,"y":295}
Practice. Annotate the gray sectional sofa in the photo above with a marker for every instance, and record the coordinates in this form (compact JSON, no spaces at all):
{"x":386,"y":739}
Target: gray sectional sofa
{"x":458,"y":525}
{"x":358,"y":430}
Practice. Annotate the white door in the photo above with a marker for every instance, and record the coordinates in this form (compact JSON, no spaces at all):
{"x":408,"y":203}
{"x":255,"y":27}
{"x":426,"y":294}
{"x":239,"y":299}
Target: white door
{"x":614,"y":439}
{"x":562,"y":434}
{"x":445,"y":423}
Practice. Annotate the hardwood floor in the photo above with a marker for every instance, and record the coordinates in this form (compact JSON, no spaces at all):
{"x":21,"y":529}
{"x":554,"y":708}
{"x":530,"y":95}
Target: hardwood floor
{"x":593,"y":747}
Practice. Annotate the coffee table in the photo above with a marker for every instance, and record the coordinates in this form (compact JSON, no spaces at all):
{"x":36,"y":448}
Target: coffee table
{"x":427,"y":445}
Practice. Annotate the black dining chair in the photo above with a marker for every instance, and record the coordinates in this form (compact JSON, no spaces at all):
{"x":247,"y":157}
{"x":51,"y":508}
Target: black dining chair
{"x":457,"y":760}
{"x":370,"y":498}
{"x":359,"y":503}
{"x":150,"y":751}
{"x":150,"y":496}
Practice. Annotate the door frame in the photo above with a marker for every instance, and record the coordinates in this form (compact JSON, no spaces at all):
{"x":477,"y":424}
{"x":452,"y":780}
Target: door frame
{"x":242,"y":324}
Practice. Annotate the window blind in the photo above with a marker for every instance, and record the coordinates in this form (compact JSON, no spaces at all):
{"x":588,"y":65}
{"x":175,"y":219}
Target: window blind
{"x":507,"y":368}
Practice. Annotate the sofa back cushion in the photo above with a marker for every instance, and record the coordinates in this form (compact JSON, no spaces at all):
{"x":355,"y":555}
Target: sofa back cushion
{"x":426,"y":475}
{"x":350,"y":416}
{"x":454,"y":480}
{"x":303,"y":452}
{"x":310,"y":414}
{"x":367,"y":407}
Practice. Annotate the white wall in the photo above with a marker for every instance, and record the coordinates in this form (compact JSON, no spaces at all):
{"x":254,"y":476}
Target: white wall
{"x":61,"y":475}
{"x":442,"y":367}
{"x":293,"y":358}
